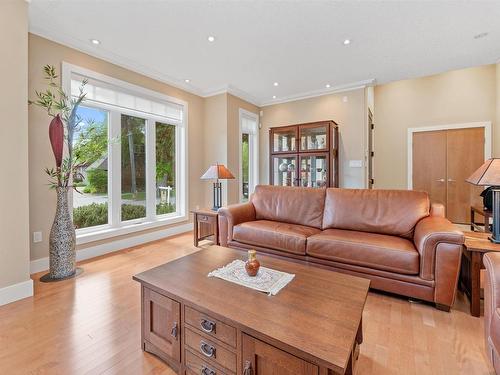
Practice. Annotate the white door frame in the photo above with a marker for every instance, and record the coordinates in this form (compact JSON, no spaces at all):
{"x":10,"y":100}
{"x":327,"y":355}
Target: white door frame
{"x":253,"y":146}
{"x":483,"y":124}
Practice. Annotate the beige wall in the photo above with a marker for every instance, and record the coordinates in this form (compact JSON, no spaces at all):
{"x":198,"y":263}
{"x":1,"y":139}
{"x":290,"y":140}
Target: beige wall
{"x":459,"y":96}
{"x":215,"y":139}
{"x":349,"y":113}
{"x":42,"y":200}
{"x":14,"y":220}
{"x":233,"y":152}
{"x":222,"y":126}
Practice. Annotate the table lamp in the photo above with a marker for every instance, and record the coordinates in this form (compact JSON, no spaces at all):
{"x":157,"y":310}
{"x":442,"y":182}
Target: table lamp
{"x":488,"y":174}
{"x":217,"y":172}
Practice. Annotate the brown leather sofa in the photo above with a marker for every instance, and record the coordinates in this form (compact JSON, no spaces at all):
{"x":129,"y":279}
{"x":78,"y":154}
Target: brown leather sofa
{"x":393,"y":237}
{"x":492,"y":308}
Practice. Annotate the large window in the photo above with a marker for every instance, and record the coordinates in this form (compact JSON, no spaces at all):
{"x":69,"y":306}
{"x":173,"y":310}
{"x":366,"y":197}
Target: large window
{"x":130,"y":143}
{"x":90,"y":147}
{"x":249,"y":153}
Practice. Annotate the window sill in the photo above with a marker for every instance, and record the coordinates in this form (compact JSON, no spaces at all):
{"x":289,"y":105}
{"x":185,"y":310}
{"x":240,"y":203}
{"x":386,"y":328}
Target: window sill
{"x":108,"y":232}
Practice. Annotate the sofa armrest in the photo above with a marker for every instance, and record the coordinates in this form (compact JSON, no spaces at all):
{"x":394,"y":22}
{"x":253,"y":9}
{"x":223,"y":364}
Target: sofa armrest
{"x":492,"y":301}
{"x":233,"y":215}
{"x":429,"y":233}
{"x":437,"y":209}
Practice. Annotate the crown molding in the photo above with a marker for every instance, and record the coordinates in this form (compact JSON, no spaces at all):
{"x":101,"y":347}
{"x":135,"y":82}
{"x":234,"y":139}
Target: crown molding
{"x":108,"y":56}
{"x":230,"y":89}
{"x":322,"y":92}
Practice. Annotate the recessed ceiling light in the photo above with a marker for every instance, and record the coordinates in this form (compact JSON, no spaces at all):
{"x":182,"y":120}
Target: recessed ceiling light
{"x":275,"y":84}
{"x":481,"y":35}
{"x":187,"y":80}
{"x":327,"y":85}
{"x":95,"y":41}
{"x":211,"y":38}
{"x":274,"y":96}
{"x":347,"y":42}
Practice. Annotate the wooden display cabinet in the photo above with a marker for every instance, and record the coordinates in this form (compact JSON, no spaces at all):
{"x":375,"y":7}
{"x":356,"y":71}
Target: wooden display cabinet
{"x":304,"y":155}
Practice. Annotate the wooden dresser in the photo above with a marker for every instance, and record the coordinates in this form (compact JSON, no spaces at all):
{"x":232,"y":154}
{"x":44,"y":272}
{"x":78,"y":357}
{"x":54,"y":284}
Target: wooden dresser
{"x":208,"y":326}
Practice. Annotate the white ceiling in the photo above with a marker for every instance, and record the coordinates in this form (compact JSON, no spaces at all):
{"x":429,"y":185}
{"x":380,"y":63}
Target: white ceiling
{"x":298,"y":44}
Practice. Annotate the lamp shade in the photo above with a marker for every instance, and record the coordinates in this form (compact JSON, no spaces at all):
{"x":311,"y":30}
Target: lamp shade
{"x":487,"y":174}
{"x":217,"y":172}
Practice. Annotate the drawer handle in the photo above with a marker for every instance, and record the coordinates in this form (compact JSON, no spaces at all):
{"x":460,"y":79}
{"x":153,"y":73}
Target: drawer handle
{"x":207,"y":349}
{"x":207,"y":371}
{"x":203,"y":218}
{"x":174,"y":330}
{"x":247,"y":370}
{"x":207,"y":325}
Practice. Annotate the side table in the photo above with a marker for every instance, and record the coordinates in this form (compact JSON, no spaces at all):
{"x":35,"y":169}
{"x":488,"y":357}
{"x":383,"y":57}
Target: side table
{"x":206,"y":226}
{"x":476,"y":245}
{"x":486,"y":214}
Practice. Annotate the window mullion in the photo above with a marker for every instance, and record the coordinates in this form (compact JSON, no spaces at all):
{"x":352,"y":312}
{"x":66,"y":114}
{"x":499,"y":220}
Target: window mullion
{"x":114,"y":172}
{"x":150,"y":169}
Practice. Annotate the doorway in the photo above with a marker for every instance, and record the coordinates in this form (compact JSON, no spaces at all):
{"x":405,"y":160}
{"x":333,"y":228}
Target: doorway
{"x":441,"y":158}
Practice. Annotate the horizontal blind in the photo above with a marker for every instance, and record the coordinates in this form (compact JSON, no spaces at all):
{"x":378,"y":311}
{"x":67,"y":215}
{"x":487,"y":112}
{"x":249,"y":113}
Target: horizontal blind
{"x":100,"y":92}
{"x":248,"y":125}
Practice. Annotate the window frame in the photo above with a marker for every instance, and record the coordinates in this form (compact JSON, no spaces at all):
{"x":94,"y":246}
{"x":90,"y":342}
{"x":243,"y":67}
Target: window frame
{"x":253,"y":152}
{"x":115,"y":226}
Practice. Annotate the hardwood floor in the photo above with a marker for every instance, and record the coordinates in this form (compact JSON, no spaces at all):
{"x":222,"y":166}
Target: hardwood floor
{"x":91,"y":325}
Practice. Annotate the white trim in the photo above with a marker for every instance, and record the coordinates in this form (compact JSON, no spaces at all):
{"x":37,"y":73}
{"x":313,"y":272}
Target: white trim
{"x":68,"y":68}
{"x":110,"y":57}
{"x":16,"y":292}
{"x":115,"y":226}
{"x":483,"y":124}
{"x":322,"y":92}
{"x":253,"y":146}
{"x":42,"y":264}
{"x":229,"y":89}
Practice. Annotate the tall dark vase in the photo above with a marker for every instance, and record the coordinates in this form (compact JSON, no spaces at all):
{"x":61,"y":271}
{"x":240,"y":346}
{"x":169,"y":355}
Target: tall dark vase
{"x":62,"y":241}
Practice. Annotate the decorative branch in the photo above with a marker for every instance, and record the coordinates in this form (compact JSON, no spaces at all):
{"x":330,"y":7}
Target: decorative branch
{"x":63,"y":108}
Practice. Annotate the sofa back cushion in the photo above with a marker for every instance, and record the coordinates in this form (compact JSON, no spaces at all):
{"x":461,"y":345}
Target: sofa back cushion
{"x":294,"y":205}
{"x":393,"y":212}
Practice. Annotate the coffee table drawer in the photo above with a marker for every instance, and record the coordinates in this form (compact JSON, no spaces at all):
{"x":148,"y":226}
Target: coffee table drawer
{"x":196,"y":366}
{"x":209,"y":350}
{"x":211,"y":326}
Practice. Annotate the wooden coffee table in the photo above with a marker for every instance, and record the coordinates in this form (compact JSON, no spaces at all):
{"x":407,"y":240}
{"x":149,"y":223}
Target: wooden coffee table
{"x":208,"y":326}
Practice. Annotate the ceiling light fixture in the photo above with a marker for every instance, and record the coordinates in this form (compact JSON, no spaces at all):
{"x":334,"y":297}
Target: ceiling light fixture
{"x":274,"y":96}
{"x":95,"y":41}
{"x":187,"y":80}
{"x":211,"y":38}
{"x":275,"y":84}
{"x":481,"y":35}
{"x":347,"y":42}
{"x":327,"y":85}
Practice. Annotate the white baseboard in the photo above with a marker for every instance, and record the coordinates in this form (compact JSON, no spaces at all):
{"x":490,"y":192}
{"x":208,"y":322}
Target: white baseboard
{"x":16,"y":292}
{"x":42,"y":264}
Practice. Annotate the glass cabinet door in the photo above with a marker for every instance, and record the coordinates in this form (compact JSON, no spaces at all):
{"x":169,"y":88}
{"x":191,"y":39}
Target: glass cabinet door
{"x":314,"y":137}
{"x":284,"y":170}
{"x":284,"y":139}
{"x":314,"y":170}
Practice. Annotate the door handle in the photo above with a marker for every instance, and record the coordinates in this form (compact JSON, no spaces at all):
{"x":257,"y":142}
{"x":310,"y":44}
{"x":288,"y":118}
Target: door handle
{"x":207,"y":371}
{"x":207,"y":349}
{"x":440,"y":180}
{"x":248,"y":370}
{"x":174,"y":330}
{"x":451,"y":180}
{"x":207,"y":325}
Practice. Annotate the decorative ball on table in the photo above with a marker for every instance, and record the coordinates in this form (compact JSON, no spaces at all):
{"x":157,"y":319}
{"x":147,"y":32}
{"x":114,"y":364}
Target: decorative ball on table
{"x":252,"y":265}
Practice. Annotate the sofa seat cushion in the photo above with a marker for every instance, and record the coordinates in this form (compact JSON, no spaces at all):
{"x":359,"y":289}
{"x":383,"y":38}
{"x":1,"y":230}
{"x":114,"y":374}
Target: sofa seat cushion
{"x":378,"y":251}
{"x":274,"y":235}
